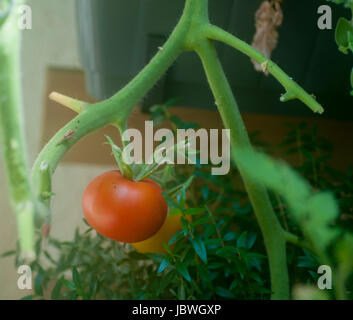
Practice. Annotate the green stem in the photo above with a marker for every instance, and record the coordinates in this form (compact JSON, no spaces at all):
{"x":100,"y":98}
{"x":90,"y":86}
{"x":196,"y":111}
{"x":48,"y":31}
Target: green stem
{"x":12,"y":133}
{"x":294,"y":239}
{"x":269,"y":224}
{"x":215,"y":224}
{"x":293,"y":90}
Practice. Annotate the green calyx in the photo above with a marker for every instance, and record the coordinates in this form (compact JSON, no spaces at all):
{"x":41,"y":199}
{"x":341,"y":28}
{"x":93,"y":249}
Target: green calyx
{"x":124,"y":168}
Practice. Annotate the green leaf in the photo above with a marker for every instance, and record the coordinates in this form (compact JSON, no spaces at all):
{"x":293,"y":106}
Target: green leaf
{"x":241,"y":242}
{"x":94,"y":286}
{"x":199,"y":248}
{"x":194,"y":211}
{"x":165,"y":262}
{"x":225,"y":293}
{"x":306,"y":262}
{"x":204,"y":273}
{"x":234,"y":284}
{"x":185,"y":224}
{"x":322,"y":210}
{"x":185,"y":185}
{"x":167,"y":280}
{"x":55,"y":294}
{"x":202,"y":220}
{"x":346,"y":3}
{"x":166,"y":247}
{"x":68,"y":284}
{"x":228,"y":252}
{"x":181,"y":197}
{"x":183,"y":270}
{"x":344,"y":35}
{"x":156,"y":256}
{"x":213,"y":243}
{"x":124,"y":168}
{"x":181,"y":292}
{"x":8,"y":253}
{"x":176,"y":237}
{"x":251,"y":240}
{"x":76,"y":278}
{"x":246,"y":240}
{"x":205,"y":192}
{"x":38,"y":285}
{"x":229,"y":236}
{"x":254,"y":260}
{"x":49,"y":257}
{"x":175,"y":211}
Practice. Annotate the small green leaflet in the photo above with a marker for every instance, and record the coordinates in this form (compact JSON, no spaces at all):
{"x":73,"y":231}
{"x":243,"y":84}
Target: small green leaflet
{"x":199,"y":248}
{"x":182,"y":269}
{"x":344,"y":35}
{"x":163,"y":265}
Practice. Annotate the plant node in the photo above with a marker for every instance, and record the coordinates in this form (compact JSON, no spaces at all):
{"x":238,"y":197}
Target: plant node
{"x":289,"y":95}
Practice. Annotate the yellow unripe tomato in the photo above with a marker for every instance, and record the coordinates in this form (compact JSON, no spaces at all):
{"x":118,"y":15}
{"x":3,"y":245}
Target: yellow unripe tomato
{"x":172,"y":224}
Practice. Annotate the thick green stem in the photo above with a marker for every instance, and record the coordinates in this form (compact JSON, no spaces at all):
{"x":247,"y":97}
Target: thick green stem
{"x":12,"y":133}
{"x":269,"y":224}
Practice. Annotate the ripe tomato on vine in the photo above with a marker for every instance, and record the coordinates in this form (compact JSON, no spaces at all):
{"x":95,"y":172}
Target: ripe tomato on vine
{"x":122,"y":209}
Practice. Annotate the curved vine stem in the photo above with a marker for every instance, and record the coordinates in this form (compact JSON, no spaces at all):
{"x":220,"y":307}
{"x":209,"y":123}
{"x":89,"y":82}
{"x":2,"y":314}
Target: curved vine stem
{"x":293,"y":90}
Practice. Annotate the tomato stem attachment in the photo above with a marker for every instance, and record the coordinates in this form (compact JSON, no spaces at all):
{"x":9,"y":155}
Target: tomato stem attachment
{"x":124,"y":168}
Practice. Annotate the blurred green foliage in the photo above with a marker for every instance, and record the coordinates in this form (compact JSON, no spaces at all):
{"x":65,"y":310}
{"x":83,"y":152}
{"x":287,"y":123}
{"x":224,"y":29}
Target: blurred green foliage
{"x":344,"y":32}
{"x":346,"y":3}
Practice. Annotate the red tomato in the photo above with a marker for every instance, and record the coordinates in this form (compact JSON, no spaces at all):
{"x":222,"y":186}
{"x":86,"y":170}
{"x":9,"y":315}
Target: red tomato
{"x":122,"y":209}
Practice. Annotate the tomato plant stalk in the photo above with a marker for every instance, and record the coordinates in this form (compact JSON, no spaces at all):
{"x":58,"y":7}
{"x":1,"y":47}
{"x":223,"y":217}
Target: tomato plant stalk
{"x":271,"y":229}
{"x":12,"y":133}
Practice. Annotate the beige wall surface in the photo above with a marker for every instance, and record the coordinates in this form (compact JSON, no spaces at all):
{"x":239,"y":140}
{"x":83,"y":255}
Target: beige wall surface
{"x":51,"y":42}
